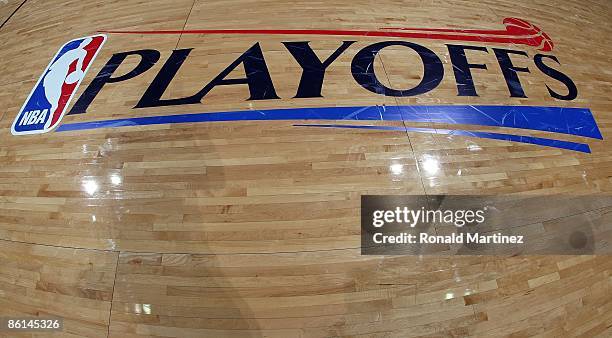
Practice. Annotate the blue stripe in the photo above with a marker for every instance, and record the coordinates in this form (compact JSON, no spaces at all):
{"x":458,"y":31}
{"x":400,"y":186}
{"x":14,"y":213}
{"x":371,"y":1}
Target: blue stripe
{"x":581,"y":147}
{"x":571,"y":121}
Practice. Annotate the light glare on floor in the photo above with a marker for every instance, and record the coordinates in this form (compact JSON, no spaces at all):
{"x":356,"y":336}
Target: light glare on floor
{"x":90,"y":187}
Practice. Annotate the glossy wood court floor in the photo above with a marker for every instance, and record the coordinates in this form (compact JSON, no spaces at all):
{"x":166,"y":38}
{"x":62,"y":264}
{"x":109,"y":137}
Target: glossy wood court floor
{"x":251,"y":228}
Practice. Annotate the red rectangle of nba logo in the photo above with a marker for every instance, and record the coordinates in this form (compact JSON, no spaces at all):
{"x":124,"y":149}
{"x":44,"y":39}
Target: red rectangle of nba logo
{"x":49,"y":99}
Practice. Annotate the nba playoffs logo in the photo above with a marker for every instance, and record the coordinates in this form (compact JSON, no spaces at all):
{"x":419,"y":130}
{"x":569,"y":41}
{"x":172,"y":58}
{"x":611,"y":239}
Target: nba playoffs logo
{"x":49,"y":100}
{"x":47,"y":103}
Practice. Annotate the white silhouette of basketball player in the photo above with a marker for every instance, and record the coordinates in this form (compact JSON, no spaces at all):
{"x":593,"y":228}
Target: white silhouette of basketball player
{"x":58,"y":75}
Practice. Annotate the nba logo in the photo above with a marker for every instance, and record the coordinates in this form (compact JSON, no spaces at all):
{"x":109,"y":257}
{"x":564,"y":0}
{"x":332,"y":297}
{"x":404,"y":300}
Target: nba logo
{"x":48,"y":101}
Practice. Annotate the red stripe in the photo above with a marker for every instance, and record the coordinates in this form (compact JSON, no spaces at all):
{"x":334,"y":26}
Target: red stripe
{"x":515,"y":40}
{"x":530,"y":36}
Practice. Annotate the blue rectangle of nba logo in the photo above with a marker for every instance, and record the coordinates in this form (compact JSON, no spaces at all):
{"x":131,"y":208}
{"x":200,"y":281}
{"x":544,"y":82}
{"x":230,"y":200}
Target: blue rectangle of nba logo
{"x":47,"y":103}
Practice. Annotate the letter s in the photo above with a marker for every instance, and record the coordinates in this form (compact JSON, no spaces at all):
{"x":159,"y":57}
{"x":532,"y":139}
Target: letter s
{"x":557,"y":75}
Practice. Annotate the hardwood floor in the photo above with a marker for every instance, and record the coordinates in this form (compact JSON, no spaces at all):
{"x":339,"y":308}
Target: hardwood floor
{"x":252,"y":228}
